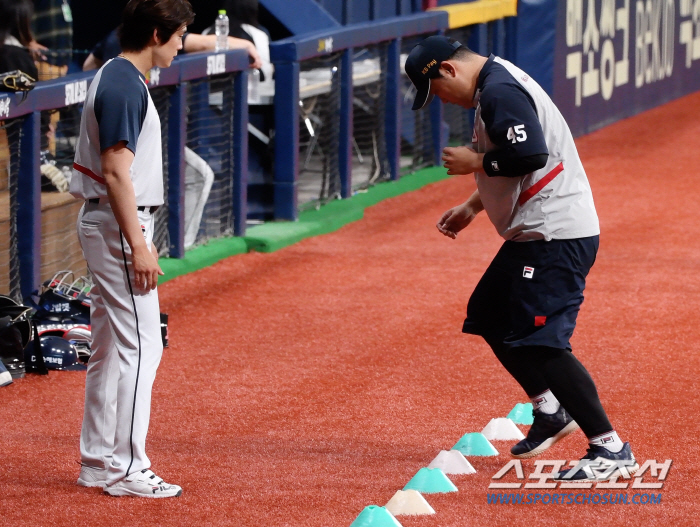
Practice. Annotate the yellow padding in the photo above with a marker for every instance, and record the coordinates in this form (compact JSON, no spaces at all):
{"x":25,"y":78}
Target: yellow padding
{"x":478,"y":12}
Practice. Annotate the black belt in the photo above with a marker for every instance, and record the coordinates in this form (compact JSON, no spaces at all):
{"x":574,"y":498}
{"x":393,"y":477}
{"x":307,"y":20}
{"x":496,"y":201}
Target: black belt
{"x":151,"y":209}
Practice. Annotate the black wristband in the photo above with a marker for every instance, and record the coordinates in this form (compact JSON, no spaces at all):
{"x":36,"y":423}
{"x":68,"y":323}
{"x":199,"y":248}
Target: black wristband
{"x":500,"y":163}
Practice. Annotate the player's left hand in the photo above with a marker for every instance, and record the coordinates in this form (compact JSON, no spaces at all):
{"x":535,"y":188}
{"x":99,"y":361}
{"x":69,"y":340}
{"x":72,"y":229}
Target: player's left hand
{"x":456,"y":219}
{"x":154,"y":251}
{"x":461,"y":160}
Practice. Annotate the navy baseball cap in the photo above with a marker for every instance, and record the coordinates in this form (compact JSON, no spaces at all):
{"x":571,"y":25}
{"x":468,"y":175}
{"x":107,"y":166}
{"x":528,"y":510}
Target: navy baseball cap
{"x":423,"y":64}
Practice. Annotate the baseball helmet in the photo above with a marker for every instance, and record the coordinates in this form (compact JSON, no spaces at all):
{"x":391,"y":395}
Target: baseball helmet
{"x":59,"y":354}
{"x":64,"y":302}
{"x":81,"y":338}
{"x":15,"y":333}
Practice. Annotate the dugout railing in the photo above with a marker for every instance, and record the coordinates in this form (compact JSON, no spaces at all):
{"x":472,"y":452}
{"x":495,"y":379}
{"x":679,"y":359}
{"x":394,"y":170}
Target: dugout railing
{"x":339,"y":111}
{"x":342,"y":103}
{"x":340,"y":108}
{"x":202,"y":103}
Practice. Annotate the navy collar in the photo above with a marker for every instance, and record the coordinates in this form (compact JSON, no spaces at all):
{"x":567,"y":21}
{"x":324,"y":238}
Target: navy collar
{"x":485,"y":70}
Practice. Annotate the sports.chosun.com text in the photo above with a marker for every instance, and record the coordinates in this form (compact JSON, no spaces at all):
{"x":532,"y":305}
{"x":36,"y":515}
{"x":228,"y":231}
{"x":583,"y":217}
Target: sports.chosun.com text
{"x":555,"y":498}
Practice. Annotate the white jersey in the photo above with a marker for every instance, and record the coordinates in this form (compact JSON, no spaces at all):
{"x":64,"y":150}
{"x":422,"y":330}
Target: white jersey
{"x":554,"y":202}
{"x":119,"y":108}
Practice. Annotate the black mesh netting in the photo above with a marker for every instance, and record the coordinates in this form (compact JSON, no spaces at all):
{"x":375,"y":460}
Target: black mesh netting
{"x":460,"y":120}
{"x":319,"y":126}
{"x":209,"y":159}
{"x":161,"y":234}
{"x":10,"y":139}
{"x":60,"y":248}
{"x":416,"y":129}
{"x":370,"y":164}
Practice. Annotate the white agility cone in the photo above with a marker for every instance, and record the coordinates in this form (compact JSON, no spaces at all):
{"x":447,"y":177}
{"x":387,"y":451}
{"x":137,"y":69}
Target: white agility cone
{"x":452,"y":462}
{"x":502,"y":429}
{"x":408,"y":502}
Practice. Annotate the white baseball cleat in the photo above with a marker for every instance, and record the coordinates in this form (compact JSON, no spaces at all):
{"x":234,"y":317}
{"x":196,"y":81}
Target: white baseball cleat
{"x":143,"y":484}
{"x":92,"y":477}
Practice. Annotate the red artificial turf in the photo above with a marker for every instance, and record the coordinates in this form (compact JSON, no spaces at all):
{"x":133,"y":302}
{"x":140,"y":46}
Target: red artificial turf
{"x":304,"y":385}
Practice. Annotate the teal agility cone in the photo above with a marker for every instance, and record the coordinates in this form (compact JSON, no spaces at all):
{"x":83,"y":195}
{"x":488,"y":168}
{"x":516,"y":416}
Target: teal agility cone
{"x":521,"y":414}
{"x":430,"y":481}
{"x":375,"y":516}
{"x":475,"y":444}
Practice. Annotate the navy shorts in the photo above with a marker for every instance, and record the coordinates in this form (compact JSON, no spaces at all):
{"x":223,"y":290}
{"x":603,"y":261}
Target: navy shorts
{"x":531,"y":292}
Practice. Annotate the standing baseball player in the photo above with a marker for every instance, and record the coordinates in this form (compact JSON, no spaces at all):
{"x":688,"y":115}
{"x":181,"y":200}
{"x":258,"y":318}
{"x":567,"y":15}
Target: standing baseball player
{"x":534,"y":189}
{"x":118,"y":171}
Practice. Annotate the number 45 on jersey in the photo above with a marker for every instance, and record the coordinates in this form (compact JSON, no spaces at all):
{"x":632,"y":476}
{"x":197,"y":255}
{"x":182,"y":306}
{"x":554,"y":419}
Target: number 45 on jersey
{"x":517,"y":133}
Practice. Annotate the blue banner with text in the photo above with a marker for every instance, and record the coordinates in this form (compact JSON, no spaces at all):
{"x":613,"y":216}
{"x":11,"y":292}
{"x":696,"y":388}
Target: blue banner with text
{"x":616,"y":58}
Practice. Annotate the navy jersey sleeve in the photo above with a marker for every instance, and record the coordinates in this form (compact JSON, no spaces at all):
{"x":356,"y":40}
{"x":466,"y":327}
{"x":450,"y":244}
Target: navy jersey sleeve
{"x":511,"y":121}
{"x":121,"y":103}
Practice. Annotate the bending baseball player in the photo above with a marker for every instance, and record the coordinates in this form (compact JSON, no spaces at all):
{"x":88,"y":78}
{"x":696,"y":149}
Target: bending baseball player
{"x":532,"y":185}
{"x":118,"y":171}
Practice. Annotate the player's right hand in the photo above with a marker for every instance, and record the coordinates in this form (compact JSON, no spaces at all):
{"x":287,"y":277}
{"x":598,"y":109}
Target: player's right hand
{"x":146,"y":268}
{"x":456,"y":219}
{"x":254,"y":56}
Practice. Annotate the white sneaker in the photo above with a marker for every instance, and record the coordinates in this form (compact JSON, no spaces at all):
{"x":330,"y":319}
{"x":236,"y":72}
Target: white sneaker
{"x":144,"y":484}
{"x":5,"y":378}
{"x":92,"y":477}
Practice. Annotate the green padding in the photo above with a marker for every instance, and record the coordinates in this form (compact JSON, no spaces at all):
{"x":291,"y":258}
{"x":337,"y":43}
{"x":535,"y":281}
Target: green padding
{"x":201,"y":257}
{"x":277,"y":235}
{"x":331,"y":217}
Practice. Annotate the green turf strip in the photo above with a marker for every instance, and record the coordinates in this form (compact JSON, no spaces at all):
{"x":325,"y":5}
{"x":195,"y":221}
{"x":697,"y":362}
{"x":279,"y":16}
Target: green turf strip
{"x":273,"y":236}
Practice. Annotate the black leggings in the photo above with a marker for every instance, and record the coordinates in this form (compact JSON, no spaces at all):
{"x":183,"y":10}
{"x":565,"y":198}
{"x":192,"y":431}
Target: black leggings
{"x":539,"y":368}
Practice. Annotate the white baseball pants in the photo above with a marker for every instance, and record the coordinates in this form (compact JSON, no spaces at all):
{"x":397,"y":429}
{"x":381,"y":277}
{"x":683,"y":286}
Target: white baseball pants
{"x":126,"y":348}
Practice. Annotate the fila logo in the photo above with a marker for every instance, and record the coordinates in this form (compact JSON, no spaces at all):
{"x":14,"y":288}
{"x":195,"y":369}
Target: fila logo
{"x":608,"y":439}
{"x":494,"y":165}
{"x":528,"y":272}
{"x":540,"y":401}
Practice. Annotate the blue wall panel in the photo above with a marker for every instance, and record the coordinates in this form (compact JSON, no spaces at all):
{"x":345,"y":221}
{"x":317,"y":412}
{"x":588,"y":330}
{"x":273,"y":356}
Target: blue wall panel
{"x":300,"y":16}
{"x":359,"y":11}
{"x":334,"y":8}
{"x":386,"y":8}
{"x":535,"y":36}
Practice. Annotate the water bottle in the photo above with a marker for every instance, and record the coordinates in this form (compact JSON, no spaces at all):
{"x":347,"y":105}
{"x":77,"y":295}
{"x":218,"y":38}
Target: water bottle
{"x":254,"y":87}
{"x":221,"y":30}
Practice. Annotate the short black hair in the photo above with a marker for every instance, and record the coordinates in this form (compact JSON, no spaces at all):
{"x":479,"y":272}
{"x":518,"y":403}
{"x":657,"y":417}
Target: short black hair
{"x":142,"y":17}
{"x":461,"y":53}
